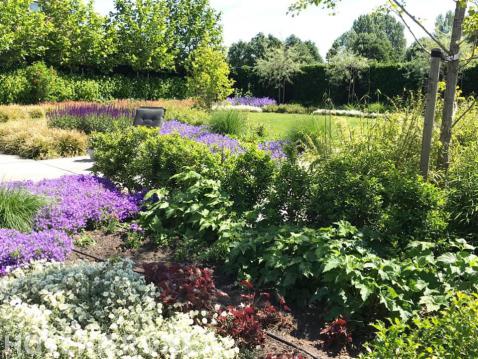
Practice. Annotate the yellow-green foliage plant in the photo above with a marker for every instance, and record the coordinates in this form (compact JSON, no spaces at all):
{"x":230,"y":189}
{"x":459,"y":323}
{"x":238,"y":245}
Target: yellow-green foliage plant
{"x":33,"y":139}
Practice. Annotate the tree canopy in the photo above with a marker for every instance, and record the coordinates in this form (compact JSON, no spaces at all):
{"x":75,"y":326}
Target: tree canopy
{"x":247,"y":53}
{"x":376,"y":36}
{"x":143,"y":35}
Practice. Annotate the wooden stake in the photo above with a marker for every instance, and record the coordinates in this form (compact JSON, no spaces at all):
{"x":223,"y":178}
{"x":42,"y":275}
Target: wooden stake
{"x":436,"y":56}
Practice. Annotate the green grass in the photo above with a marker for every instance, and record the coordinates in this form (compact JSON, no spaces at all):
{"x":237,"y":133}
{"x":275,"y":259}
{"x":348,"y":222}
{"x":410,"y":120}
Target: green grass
{"x":18,"y":208}
{"x":280,"y":125}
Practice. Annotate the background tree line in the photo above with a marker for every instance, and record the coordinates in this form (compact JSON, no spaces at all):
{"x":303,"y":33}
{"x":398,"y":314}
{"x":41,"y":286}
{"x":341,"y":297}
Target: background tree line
{"x":138,"y":36}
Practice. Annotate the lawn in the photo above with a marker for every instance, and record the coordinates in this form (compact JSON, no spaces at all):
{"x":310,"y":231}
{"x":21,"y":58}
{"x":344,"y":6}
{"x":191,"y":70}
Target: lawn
{"x":278,"y":125}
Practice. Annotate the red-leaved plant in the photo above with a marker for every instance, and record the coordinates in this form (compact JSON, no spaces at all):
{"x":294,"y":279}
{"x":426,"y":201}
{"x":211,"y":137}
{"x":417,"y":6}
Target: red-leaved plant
{"x":246,"y":323}
{"x":336,"y":334}
{"x":183,"y":287}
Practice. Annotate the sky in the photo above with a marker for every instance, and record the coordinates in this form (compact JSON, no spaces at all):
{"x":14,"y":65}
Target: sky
{"x":242,"y":19}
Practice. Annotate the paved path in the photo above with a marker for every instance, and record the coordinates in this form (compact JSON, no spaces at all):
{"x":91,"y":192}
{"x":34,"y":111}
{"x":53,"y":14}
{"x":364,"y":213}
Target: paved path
{"x":14,"y":168}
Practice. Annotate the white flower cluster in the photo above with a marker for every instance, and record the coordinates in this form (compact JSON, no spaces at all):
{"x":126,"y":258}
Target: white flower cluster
{"x":240,"y":108}
{"x":85,"y":310}
{"x":349,"y":113}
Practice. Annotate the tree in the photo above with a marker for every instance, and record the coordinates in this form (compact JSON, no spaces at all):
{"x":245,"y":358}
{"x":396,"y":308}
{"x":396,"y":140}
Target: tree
{"x":247,"y":53}
{"x":208,"y":75}
{"x":278,"y":68}
{"x":346,"y":67}
{"x":22,"y":34}
{"x":142,"y":36}
{"x":192,"y":23}
{"x":306,"y":50}
{"x":452,"y":53}
{"x":444,"y":23}
{"x":376,"y":36}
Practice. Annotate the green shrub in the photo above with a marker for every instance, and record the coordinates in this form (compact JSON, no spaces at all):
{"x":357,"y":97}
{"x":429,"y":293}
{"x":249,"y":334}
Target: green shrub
{"x":196,"y":212}
{"x":87,"y":90}
{"x":116,"y":152}
{"x":248,"y":178}
{"x":42,"y":81}
{"x":450,"y":334}
{"x":286,"y":108}
{"x":337,"y":269}
{"x":192,"y":116}
{"x":229,"y":123}
{"x":289,"y":197}
{"x":138,"y":157}
{"x":376,"y":107}
{"x":369,"y":191}
{"x":18,"y":209}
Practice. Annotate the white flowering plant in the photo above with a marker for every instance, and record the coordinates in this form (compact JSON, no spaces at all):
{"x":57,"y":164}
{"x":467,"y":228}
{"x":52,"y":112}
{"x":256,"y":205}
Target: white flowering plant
{"x":85,"y":310}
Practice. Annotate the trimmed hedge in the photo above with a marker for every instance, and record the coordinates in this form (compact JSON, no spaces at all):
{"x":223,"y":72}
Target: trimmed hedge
{"x":49,"y":85}
{"x":313,"y":87}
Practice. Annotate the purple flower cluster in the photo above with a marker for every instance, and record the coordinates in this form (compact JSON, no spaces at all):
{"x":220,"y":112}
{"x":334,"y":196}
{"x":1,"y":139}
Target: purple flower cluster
{"x":79,"y":202}
{"x":91,"y":110}
{"x":251,"y":101}
{"x":201,"y":134}
{"x":275,"y":148}
{"x":18,"y":249}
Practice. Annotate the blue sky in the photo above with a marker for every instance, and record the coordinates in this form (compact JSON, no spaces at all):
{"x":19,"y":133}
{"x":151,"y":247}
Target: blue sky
{"x":242,"y":19}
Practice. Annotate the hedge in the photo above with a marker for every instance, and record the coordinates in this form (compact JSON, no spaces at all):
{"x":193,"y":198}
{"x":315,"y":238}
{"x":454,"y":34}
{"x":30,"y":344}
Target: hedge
{"x":39,"y":83}
{"x":313,"y":87}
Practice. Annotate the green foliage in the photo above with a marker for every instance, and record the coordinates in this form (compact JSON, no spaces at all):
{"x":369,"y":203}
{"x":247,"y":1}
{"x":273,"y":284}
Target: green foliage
{"x":278,"y":67}
{"x":463,"y":192}
{"x":142,"y":36}
{"x":248,"y":178}
{"x":137,"y":157}
{"x":450,"y":334}
{"x":229,"y":123}
{"x":196,"y":211}
{"x":376,"y":36}
{"x":23,"y":86}
{"x":289,"y":196}
{"x":208,"y":76}
{"x":42,"y":80}
{"x":246,"y":53}
{"x":338,"y":270}
{"x":18,"y":208}
{"x":193,"y":116}
{"x":367,"y":190}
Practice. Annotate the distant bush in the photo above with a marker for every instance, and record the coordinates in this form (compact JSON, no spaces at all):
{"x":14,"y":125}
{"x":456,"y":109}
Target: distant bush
{"x":33,"y":139}
{"x":229,"y":123}
{"x":286,"y":108}
{"x":192,"y":116}
{"x":18,"y":208}
{"x":448,"y":335}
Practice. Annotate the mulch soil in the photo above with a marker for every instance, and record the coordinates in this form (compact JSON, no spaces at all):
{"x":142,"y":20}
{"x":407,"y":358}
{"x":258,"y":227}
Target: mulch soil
{"x":301,"y":329}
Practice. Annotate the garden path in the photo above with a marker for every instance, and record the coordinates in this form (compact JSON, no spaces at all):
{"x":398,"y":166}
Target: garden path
{"x":14,"y":168}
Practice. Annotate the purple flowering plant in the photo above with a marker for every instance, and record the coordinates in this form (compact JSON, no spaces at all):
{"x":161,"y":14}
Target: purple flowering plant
{"x":79,"y":202}
{"x":251,"y":101}
{"x":17,"y":249}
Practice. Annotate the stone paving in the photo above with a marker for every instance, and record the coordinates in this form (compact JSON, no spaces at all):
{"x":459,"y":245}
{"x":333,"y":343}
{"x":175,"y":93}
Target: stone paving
{"x":14,"y":168}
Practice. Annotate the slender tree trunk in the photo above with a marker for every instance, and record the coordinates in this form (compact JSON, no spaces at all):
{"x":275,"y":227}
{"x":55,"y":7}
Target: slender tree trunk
{"x":451,"y":82}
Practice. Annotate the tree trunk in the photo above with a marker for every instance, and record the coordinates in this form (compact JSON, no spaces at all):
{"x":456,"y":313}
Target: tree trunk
{"x":451,"y":82}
